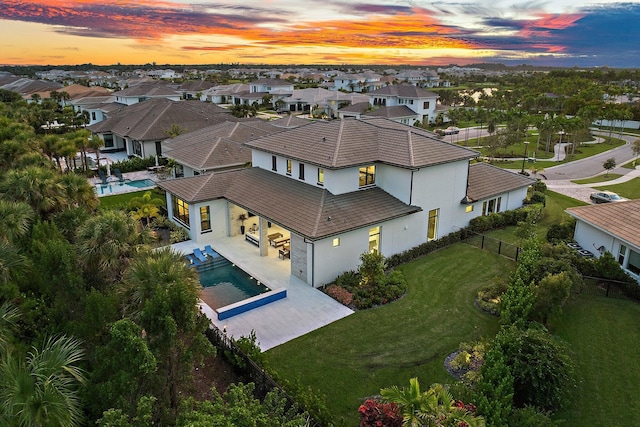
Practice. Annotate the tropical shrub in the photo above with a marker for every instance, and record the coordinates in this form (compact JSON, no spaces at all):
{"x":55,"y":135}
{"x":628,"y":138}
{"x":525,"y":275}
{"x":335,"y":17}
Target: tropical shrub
{"x":340,"y":294}
{"x":488,"y":297}
{"x":561,"y":232}
{"x":376,"y":414}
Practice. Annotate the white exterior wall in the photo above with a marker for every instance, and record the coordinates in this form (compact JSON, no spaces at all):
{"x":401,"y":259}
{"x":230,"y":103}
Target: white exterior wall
{"x":219,"y":220}
{"x":395,"y":181}
{"x":396,"y":236}
{"x":590,"y":238}
{"x":442,"y":187}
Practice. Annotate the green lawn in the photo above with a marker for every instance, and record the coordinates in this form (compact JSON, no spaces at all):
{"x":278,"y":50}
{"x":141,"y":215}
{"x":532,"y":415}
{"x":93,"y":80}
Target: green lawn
{"x":355,"y":357}
{"x":631,"y":165}
{"x":629,"y":189}
{"x":599,"y":178}
{"x":122,"y":200}
{"x":604,"y":337}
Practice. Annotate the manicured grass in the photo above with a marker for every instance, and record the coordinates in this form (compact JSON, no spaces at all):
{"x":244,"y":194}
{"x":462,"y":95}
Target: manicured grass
{"x":122,"y":200}
{"x":357,"y":356}
{"x":631,"y":165}
{"x":604,"y":337}
{"x":629,"y":189}
{"x":599,"y":178}
{"x":554,"y":213}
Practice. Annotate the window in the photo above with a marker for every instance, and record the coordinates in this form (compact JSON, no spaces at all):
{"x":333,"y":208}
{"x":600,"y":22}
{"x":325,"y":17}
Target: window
{"x":622,"y":253}
{"x":425,"y":105}
{"x":108,"y":140}
{"x":137,"y":148}
{"x":180,"y":210}
{"x":367,"y":176}
{"x":374,"y":240}
{"x":205,"y":219}
{"x":469,"y":208}
{"x":301,"y":171}
{"x":274,"y":163}
{"x":336,"y":242}
{"x":491,"y":206}
{"x":288,"y":166}
{"x":320,"y":176}
{"x":633,"y":265}
{"x":93,"y":115}
{"x":432,"y":226}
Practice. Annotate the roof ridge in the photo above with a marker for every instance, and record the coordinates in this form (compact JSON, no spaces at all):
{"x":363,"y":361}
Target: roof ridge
{"x":234,"y":128}
{"x":338,"y":141}
{"x":321,"y":208}
{"x":410,"y":144}
{"x":211,"y":150}
{"x":154,"y":121}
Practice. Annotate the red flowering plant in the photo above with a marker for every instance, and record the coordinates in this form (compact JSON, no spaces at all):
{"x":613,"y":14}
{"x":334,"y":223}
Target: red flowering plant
{"x":340,"y":294}
{"x":378,"y":414}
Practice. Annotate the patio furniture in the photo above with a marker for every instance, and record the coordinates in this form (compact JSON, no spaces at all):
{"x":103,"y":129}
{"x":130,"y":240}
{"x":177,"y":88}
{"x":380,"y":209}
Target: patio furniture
{"x":209,"y":251}
{"x":280,"y":241}
{"x":118,"y":175}
{"x":102,"y":176}
{"x":198,"y":253}
{"x":272,"y":237}
{"x":284,"y":252}
{"x":252,"y":238}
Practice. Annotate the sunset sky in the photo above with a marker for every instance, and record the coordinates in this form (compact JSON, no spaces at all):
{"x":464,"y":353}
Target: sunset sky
{"x":558,"y":32}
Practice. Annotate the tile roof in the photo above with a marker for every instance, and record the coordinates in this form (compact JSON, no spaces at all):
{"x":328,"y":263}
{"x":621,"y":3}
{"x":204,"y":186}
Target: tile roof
{"x":404,"y":91}
{"x":218,"y":146}
{"x":393,"y":112}
{"x":352,"y":142}
{"x":487,"y":181}
{"x":620,"y":219}
{"x":148,"y":89}
{"x":304,"y":209}
{"x":150,"y":120}
{"x":360,"y":107}
{"x":290,"y":121}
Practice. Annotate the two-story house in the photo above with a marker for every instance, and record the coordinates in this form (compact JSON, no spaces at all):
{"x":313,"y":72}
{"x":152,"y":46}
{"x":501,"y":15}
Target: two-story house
{"x":420,"y":101}
{"x":142,"y":92}
{"x":335,"y":190}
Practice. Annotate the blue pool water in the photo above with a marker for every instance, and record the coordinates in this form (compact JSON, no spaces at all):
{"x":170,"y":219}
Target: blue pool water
{"x":141,"y":183}
{"x":228,"y":284}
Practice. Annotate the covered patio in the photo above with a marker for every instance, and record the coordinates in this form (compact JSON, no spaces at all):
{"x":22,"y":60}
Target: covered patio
{"x":302,"y":311}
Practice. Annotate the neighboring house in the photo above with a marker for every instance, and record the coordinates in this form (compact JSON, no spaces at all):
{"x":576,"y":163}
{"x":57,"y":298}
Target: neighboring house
{"x":98,"y":107}
{"x":317,"y":101}
{"x":611,"y":227}
{"x":277,"y":88}
{"x":354,"y":110}
{"x":195,"y":89}
{"x":142,"y":92}
{"x":364,"y":82}
{"x":225,"y":94}
{"x":139,"y":129}
{"x":28,"y":87}
{"x":341,"y":188}
{"x":76,"y":91}
{"x":216,"y":147}
{"x":420,"y":101}
{"x":398,"y":113}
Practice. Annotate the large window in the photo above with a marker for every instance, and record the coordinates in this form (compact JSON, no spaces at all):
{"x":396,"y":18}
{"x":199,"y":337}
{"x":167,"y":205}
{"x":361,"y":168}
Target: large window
{"x":288,"y":166}
{"x":367,"y":176}
{"x":274,"y":163}
{"x":634,"y":262}
{"x":180,"y":210}
{"x":491,"y":206}
{"x":108,"y":140}
{"x":205,"y":219}
{"x":320,"y":176}
{"x":374,"y":240}
{"x":425,"y":105}
{"x":137,"y":148}
{"x":432,"y":226}
{"x":301,"y":171}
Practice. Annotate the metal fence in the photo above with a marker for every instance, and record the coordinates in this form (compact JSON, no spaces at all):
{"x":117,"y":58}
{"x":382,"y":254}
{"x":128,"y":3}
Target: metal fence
{"x":254,"y":373}
{"x":609,"y":288}
{"x":494,"y":245}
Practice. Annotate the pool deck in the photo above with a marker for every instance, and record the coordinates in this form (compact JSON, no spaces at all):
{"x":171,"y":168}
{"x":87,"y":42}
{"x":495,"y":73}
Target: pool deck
{"x":302,"y":311}
{"x":114,"y":187}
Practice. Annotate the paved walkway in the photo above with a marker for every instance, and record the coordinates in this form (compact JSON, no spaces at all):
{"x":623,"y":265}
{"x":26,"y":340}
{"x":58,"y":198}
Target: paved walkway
{"x":583,"y":191}
{"x":302,"y":311}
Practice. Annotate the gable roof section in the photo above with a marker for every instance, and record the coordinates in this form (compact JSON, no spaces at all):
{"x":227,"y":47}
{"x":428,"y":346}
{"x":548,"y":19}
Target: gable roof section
{"x":403,"y":91}
{"x":620,"y":219}
{"x":289,"y":121}
{"x":487,"y":181}
{"x":219,"y":145}
{"x":150,"y":120}
{"x":352,"y":142}
{"x":148,"y":89}
{"x":306,"y":210}
{"x":394,"y":112}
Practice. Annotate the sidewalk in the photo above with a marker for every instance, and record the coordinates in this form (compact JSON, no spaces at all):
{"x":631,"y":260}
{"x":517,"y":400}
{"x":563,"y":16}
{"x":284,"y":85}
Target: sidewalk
{"x":583,"y":191}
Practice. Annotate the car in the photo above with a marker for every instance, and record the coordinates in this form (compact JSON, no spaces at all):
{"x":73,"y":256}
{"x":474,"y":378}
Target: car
{"x":451,"y":130}
{"x":605,"y":197}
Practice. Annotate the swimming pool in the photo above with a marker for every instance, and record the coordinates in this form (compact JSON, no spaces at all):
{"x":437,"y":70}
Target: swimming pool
{"x":116,"y":187}
{"x":227,"y":285}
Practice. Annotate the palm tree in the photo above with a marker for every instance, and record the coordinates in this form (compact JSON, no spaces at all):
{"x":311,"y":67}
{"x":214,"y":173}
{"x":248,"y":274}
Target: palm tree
{"x":78,"y":192}
{"x":106,"y":241}
{"x":39,"y":187}
{"x":146,"y":207}
{"x":635,"y":147}
{"x":42,"y":390}
{"x":16,"y":218}
{"x":435,"y":407}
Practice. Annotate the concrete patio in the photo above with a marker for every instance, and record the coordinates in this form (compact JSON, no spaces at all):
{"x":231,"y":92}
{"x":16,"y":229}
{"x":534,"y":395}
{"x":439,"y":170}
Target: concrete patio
{"x":302,"y":311}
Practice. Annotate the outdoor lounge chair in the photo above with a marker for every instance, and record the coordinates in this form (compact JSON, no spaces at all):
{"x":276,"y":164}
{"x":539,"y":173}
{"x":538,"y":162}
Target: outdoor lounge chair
{"x":118,"y":175}
{"x":209,"y":251}
{"x":193,"y":260}
{"x":102,"y":176}
{"x":198,"y":253}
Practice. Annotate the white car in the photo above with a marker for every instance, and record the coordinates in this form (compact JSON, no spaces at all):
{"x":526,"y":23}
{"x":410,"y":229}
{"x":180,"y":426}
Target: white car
{"x":451,"y":130}
{"x":605,"y":197}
